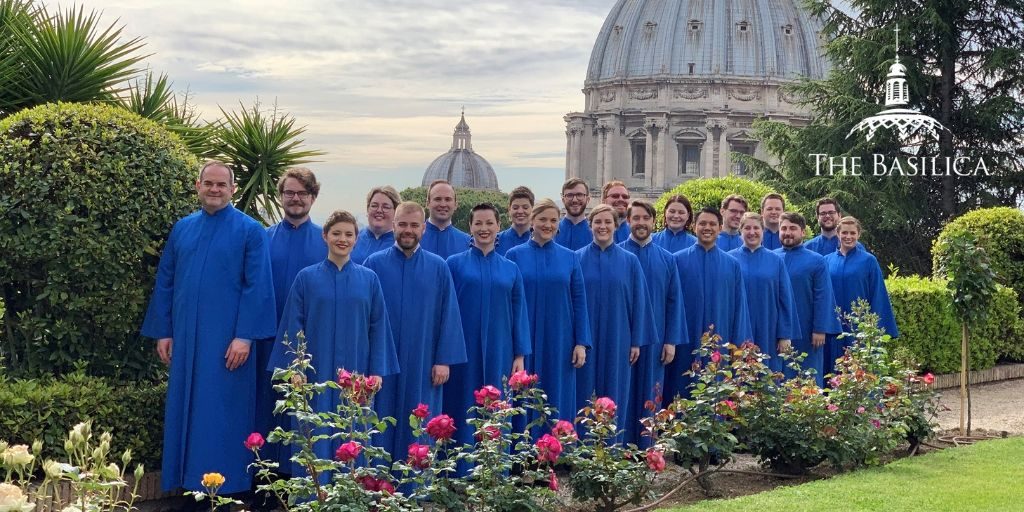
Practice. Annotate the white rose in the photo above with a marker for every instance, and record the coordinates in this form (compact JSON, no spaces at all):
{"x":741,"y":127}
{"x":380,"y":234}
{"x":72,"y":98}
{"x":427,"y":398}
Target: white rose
{"x":13,"y":500}
{"x":17,"y":456}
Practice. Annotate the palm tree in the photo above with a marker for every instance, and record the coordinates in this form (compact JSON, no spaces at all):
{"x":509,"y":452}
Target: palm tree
{"x":153,"y":99}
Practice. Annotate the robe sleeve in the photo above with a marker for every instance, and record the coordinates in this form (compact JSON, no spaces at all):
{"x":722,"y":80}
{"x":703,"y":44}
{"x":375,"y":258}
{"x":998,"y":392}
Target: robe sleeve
{"x":521,"y":343}
{"x":824,"y":319}
{"x":383,"y":356}
{"x":741,"y":324}
{"x":642,"y":315}
{"x":675,"y":313}
{"x":158,"y":321}
{"x":787,"y":327}
{"x":880,"y":300}
{"x":293,"y":321}
{"x":450,"y":344}
{"x":580,"y":316}
{"x":257,"y":309}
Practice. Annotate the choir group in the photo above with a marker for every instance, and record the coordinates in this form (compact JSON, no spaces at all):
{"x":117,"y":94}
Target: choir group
{"x":595,"y":303}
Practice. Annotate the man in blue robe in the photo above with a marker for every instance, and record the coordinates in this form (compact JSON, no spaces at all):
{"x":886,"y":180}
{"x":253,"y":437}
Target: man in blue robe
{"x":665,"y":295}
{"x":815,"y":305}
{"x":379,"y":233}
{"x":733,"y":208}
{"x":772,"y":207}
{"x":713,"y":295}
{"x":339,"y":307}
{"x":424,"y":314}
{"x":295,"y":243}
{"x":829,"y":213}
{"x":616,"y":195}
{"x":214,"y":294}
{"x":573,"y":229}
{"x":441,"y":236}
{"x":520,"y":204}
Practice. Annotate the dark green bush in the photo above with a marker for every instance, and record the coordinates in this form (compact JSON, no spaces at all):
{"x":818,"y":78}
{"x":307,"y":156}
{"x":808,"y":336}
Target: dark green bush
{"x":47,"y":408}
{"x":930,"y":331}
{"x":88,"y":195}
{"x":468,"y":198}
{"x":710,"y":191}
{"x":1000,"y":231}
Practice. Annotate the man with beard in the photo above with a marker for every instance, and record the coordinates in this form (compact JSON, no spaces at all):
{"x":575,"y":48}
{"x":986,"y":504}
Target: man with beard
{"x":829,"y":213}
{"x":616,"y":195}
{"x":214,"y":295}
{"x":664,"y":294}
{"x":295,"y":243}
{"x":713,"y":295}
{"x":441,"y":237}
{"x":425,"y":321}
{"x":733,"y":208}
{"x":772,"y":206}
{"x":379,"y":233}
{"x":573,"y":229}
{"x":520,"y":204}
{"x":815,"y":305}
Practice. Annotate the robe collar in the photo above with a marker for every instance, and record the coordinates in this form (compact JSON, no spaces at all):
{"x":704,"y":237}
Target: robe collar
{"x":402,"y":253}
{"x":745,"y":248}
{"x":375,"y":237}
{"x":330,"y":265}
{"x":430,"y":223}
{"x":476,"y":250}
{"x":851,"y":252}
{"x":539,"y":246}
{"x":305,"y":224}
{"x":645,"y":243}
{"x":220,"y":212}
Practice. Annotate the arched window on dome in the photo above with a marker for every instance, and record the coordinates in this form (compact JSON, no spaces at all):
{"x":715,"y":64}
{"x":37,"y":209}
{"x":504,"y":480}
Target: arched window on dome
{"x":689,"y":145}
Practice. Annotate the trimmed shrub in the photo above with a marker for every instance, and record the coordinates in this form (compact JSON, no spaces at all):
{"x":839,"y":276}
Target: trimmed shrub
{"x":468,"y":198}
{"x":88,"y":195}
{"x":1000,"y":231}
{"x":46,"y":409}
{"x":710,"y":191}
{"x":930,"y":332}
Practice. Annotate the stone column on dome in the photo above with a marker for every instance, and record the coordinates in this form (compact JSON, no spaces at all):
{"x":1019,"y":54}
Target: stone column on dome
{"x":577,"y":149}
{"x":602,"y":130}
{"x":663,"y":143}
{"x":607,"y":129}
{"x":649,"y":125}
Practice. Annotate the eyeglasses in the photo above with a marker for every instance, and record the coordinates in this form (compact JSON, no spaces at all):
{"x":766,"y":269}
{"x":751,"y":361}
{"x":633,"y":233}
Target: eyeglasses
{"x":575,"y":195}
{"x":832,"y":213}
{"x":382,"y":207}
{"x":291,"y":194}
{"x":618,"y":196}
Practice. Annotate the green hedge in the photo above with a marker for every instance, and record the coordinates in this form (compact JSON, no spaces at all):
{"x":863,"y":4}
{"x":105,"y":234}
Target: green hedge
{"x":468,"y":198}
{"x":931,"y":333}
{"x":46,"y":409}
{"x":710,"y":191}
{"x":1001,"y":232}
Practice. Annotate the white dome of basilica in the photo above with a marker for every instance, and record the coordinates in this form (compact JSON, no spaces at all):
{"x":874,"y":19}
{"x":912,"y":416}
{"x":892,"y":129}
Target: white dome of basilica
{"x":673,"y":87}
{"x":461,"y":166}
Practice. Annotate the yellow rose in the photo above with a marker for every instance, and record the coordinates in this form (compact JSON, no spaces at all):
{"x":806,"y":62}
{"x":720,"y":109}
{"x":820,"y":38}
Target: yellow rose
{"x":17,"y":456}
{"x":13,"y":500}
{"x":213,"y":480}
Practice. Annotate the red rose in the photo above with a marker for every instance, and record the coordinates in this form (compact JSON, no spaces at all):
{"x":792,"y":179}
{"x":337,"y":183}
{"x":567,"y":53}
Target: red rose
{"x":419,"y":456}
{"x":928,"y":379}
{"x":548,"y":448}
{"x":655,"y":460}
{"x":385,"y":487}
{"x":441,"y":427}
{"x":498,"y":405}
{"x":564,"y":430}
{"x":421,"y":411}
{"x":368,"y":482}
{"x":344,"y":379}
{"x":716,"y":357}
{"x":254,"y":441}
{"x":348,"y":451}
{"x":486,"y":394}
{"x":372,"y":383}
{"x":604,"y":407}
{"x":521,"y":380}
{"x":489,"y":433}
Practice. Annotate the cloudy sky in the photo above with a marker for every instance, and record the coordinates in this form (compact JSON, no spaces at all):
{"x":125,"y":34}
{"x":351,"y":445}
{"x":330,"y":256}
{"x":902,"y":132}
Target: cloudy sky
{"x":379,"y":84}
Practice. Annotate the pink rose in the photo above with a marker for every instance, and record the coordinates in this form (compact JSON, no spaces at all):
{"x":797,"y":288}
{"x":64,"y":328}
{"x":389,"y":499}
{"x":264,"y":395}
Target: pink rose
{"x":860,"y":410}
{"x":552,"y":481}
{"x":604,"y":407}
{"x":876,"y":423}
{"x":564,"y":430}
{"x":254,"y":441}
{"x":421,"y":411}
{"x":832,"y":407}
{"x":419,"y":456}
{"x":441,"y":427}
{"x":344,"y":379}
{"x":716,"y":357}
{"x":655,"y":460}
{"x":498,"y":405}
{"x":372,"y":383}
{"x":385,"y":487}
{"x":348,"y":451}
{"x":486,"y":394}
{"x":521,"y":380}
{"x":928,"y":378}
{"x":548,"y":448}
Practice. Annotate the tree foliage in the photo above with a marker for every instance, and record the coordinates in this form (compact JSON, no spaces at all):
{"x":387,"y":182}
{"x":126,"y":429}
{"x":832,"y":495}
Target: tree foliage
{"x":468,"y":198}
{"x":711,"y":191}
{"x":88,"y":194}
{"x":965,"y":69}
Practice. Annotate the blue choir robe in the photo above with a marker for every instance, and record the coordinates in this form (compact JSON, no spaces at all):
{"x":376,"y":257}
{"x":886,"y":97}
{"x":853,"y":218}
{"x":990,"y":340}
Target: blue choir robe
{"x":424,"y":315}
{"x":368,"y":243}
{"x":815,"y":305}
{"x":826,"y":245}
{"x":771,"y":240}
{"x":858,"y":276}
{"x":673,"y":241}
{"x":292,"y":248}
{"x":727,"y":242}
{"x":620,"y":318}
{"x":556,"y":301}
{"x":444,"y":242}
{"x":666,"y":301}
{"x":213,"y":284}
{"x":622,"y":232}
{"x":573,"y":236}
{"x":345,"y":323}
{"x":769,"y":300}
{"x":713,"y":294}
{"x":509,"y":238}
{"x":492,"y":301}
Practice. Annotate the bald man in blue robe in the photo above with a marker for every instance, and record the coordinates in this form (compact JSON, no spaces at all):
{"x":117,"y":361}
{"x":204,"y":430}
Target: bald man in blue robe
{"x":214,"y":295}
{"x":441,"y":237}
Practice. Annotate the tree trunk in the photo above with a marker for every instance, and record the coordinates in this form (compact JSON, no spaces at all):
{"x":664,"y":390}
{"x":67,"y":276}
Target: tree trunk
{"x":964,"y":373}
{"x":947,"y":82}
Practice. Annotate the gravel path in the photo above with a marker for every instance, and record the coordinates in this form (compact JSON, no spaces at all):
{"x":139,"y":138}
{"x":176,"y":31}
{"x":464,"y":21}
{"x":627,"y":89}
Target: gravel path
{"x":997,"y":406}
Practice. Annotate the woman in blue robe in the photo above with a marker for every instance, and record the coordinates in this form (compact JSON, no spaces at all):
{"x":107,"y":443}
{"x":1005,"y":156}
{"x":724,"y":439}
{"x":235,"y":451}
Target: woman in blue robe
{"x":520,"y":203}
{"x":339,"y":307}
{"x":855,"y":275}
{"x":769,"y":292}
{"x":379,"y":233}
{"x":678,"y":214}
{"x":492,"y":303}
{"x":556,"y":302}
{"x":621,"y":320}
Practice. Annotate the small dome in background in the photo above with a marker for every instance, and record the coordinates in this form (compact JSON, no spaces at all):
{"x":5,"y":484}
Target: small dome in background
{"x":461,"y":166}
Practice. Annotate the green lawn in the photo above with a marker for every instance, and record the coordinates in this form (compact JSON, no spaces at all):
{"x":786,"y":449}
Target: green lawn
{"x":986,"y":476}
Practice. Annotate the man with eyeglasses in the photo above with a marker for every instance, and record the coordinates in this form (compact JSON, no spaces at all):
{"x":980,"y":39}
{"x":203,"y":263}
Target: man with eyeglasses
{"x":573,"y":229}
{"x":379,"y":233}
{"x":616,"y":195}
{"x":733,"y":208}
{"x":441,"y":237}
{"x":829,"y":213}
